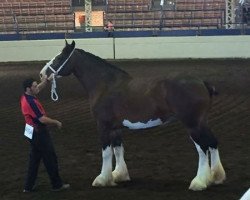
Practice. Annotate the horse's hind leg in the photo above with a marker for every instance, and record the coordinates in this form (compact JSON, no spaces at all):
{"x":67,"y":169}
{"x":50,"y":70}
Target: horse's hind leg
{"x":205,"y":141}
{"x":218,"y":174}
{"x":120,"y":173}
{"x":203,"y":176}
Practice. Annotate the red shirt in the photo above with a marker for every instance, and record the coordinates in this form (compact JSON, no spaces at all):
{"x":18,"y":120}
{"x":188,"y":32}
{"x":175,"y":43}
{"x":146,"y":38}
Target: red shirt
{"x":32,"y":110}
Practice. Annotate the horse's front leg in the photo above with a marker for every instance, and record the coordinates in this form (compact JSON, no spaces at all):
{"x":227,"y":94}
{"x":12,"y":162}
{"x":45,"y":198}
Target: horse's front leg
{"x":120,"y":173}
{"x":105,"y":178}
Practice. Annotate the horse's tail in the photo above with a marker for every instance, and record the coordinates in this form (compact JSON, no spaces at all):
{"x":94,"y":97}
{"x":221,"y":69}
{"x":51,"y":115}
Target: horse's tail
{"x":211,"y":89}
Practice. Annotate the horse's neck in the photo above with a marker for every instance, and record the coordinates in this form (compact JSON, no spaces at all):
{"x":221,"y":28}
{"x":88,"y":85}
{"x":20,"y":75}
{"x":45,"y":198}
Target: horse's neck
{"x":96,"y":79}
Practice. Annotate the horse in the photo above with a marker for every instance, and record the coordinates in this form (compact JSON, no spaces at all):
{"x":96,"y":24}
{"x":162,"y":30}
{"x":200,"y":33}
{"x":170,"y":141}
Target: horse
{"x":118,"y":101}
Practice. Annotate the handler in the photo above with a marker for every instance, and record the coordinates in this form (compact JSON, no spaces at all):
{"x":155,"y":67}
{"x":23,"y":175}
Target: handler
{"x":38,"y":135}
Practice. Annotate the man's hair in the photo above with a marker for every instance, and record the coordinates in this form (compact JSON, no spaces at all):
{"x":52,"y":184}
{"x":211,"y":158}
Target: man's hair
{"x":28,"y":83}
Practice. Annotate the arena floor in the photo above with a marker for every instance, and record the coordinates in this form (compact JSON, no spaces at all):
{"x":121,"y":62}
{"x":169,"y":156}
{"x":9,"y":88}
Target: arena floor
{"x":161,"y":161}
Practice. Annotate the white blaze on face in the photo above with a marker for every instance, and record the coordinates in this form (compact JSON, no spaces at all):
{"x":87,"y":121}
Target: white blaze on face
{"x":140,"y":125}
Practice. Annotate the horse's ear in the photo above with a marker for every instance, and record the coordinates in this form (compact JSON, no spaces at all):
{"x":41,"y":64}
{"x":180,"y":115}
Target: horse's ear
{"x":66,"y":42}
{"x":73,"y":44}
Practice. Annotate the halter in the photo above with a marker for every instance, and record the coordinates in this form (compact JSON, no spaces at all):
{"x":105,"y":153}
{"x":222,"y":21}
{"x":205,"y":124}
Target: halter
{"x":54,"y":95}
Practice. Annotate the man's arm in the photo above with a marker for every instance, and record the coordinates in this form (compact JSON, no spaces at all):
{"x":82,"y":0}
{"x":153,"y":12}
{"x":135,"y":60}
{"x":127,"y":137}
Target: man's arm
{"x":49,"y":121}
{"x":44,"y":81}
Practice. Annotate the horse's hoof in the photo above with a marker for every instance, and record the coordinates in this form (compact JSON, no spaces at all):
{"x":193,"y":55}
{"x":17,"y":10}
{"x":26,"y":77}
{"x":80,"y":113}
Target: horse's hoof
{"x":100,"y":181}
{"x":120,"y":177}
{"x":218,"y":175}
{"x":197,"y":185}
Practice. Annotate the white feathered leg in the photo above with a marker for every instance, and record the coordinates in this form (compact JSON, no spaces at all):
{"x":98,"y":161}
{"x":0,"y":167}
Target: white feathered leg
{"x":217,"y":170}
{"x":203,"y":177}
{"x":105,"y":178}
{"x":121,"y":172}
{"x":246,"y":196}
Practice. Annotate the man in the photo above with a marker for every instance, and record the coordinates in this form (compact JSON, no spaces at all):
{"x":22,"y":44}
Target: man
{"x":39,"y":137}
{"x":110,"y":28}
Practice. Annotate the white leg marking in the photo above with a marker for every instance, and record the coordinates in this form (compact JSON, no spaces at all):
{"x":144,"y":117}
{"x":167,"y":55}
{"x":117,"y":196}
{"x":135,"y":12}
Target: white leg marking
{"x":217,"y":170}
{"x":246,"y":196}
{"x":121,"y":172}
{"x":203,"y":177}
{"x":105,"y":178}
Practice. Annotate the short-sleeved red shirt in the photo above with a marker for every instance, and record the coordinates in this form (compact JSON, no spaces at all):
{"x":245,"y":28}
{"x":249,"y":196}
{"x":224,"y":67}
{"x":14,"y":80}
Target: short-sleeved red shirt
{"x":32,"y":109}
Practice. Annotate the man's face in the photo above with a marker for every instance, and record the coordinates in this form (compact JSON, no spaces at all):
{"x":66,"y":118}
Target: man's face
{"x":34,"y":89}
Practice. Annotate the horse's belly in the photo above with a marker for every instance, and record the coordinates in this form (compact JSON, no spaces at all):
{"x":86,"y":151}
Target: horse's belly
{"x":142,"y":125}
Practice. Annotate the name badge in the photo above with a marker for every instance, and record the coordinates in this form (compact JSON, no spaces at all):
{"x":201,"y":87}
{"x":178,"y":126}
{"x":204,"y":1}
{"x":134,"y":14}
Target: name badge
{"x":28,"y":131}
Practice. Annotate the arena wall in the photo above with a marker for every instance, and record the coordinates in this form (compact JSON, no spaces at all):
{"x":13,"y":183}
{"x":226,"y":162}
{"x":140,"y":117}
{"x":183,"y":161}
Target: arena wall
{"x":39,"y":50}
{"x":183,"y":47}
{"x":132,"y":48}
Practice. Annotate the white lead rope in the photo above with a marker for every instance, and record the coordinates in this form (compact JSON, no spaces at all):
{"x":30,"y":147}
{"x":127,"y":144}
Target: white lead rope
{"x":54,"y":95}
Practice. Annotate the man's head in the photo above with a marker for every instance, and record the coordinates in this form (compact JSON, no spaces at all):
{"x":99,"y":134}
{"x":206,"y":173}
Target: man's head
{"x":30,"y":86}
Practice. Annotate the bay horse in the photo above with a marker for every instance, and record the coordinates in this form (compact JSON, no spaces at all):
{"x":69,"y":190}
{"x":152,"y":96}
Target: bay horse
{"x":119,"y":101}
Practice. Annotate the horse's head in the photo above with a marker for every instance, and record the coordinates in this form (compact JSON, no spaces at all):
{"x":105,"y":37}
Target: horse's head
{"x":59,"y":65}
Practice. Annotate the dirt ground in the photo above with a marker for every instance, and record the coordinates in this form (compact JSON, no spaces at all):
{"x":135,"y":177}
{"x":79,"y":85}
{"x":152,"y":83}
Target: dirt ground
{"x":161,"y":161}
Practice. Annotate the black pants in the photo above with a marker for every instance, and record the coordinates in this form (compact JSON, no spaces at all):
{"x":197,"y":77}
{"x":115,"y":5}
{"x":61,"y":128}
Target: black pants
{"x":42,"y":149}
{"x":110,"y":34}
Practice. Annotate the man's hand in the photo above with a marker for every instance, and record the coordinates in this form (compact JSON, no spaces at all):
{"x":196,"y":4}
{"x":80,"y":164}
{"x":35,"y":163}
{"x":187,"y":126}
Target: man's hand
{"x":58,"y":124}
{"x":43,"y":82}
{"x":50,"y":77}
{"x":49,"y":121}
{"x":44,"y":78}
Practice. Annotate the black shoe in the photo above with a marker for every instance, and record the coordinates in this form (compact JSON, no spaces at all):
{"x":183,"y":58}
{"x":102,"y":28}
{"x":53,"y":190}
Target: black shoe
{"x":63,"y":187}
{"x":27,"y":191}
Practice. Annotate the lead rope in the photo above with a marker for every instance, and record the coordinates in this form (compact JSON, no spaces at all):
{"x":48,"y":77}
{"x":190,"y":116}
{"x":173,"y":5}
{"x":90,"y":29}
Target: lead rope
{"x":54,"y":95}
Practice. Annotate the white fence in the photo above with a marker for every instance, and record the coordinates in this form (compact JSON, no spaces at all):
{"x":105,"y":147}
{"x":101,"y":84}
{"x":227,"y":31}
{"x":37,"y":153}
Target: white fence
{"x":132,"y":48}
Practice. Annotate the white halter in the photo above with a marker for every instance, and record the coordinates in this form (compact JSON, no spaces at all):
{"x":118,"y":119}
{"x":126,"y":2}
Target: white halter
{"x":54,"y":95}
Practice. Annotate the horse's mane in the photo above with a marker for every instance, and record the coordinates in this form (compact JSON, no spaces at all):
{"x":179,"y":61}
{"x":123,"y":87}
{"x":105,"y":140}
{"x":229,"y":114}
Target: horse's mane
{"x":102,"y":62}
